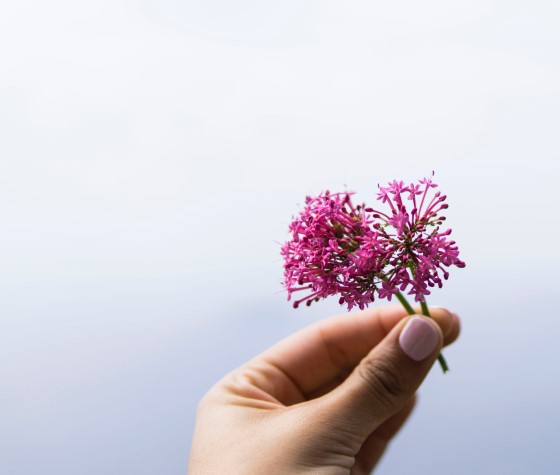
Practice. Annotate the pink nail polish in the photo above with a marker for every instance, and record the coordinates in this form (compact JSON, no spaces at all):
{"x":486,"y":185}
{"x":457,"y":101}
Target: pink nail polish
{"x":418,"y":339}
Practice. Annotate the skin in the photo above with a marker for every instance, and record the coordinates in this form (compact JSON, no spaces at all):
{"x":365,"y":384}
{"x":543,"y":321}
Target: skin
{"x":326,"y":400}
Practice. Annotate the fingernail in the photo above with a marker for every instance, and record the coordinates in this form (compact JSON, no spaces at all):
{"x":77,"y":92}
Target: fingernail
{"x":418,"y":339}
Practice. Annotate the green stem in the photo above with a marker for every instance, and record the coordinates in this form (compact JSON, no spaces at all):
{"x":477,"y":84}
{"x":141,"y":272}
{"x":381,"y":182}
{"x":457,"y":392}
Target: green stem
{"x":426,"y":312}
{"x":424,"y":307}
{"x":405,"y":303}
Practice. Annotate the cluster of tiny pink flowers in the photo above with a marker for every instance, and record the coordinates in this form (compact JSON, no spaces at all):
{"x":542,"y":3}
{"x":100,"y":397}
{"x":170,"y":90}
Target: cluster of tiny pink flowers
{"x":359,"y":253}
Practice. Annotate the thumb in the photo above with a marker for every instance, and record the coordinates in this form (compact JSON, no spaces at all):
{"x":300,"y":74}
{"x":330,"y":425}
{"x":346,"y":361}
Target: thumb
{"x":387,"y":378}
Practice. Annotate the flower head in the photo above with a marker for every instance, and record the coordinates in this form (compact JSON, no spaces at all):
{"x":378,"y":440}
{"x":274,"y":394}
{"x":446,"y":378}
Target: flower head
{"x":331,"y":250}
{"x":419,"y":245}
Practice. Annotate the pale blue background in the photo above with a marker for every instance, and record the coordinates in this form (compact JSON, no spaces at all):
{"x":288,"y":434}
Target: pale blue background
{"x":152,"y":154}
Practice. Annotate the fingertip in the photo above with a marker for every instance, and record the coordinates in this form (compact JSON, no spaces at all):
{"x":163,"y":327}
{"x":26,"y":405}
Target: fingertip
{"x":455,"y":330}
{"x":444,"y":318}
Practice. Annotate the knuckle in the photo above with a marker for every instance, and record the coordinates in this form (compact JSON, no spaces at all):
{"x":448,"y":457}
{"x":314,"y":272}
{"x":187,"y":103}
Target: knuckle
{"x":385,"y":381}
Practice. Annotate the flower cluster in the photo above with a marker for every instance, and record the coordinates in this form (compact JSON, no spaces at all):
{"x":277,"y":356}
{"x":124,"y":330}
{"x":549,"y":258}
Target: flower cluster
{"x":338,"y":248}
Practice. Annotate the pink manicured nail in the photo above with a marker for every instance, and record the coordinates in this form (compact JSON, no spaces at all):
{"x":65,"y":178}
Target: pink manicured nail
{"x":418,"y":339}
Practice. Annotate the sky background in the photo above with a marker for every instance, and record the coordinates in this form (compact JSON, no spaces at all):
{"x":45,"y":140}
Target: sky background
{"x":152,"y":155}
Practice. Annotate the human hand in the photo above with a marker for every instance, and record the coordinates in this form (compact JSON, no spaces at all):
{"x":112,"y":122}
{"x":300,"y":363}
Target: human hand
{"x":325,"y":400}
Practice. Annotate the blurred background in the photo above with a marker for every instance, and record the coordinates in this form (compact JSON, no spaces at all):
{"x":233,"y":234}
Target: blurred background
{"x":152,"y":155}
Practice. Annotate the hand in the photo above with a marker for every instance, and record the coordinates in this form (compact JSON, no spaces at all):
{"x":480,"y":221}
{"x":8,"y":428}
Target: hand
{"x":326,"y":400}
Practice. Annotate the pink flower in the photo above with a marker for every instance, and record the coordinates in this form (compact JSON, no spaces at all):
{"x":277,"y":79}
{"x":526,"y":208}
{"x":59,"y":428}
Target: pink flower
{"x":419,"y":245}
{"x":333,"y":250}
{"x":338,"y":248}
